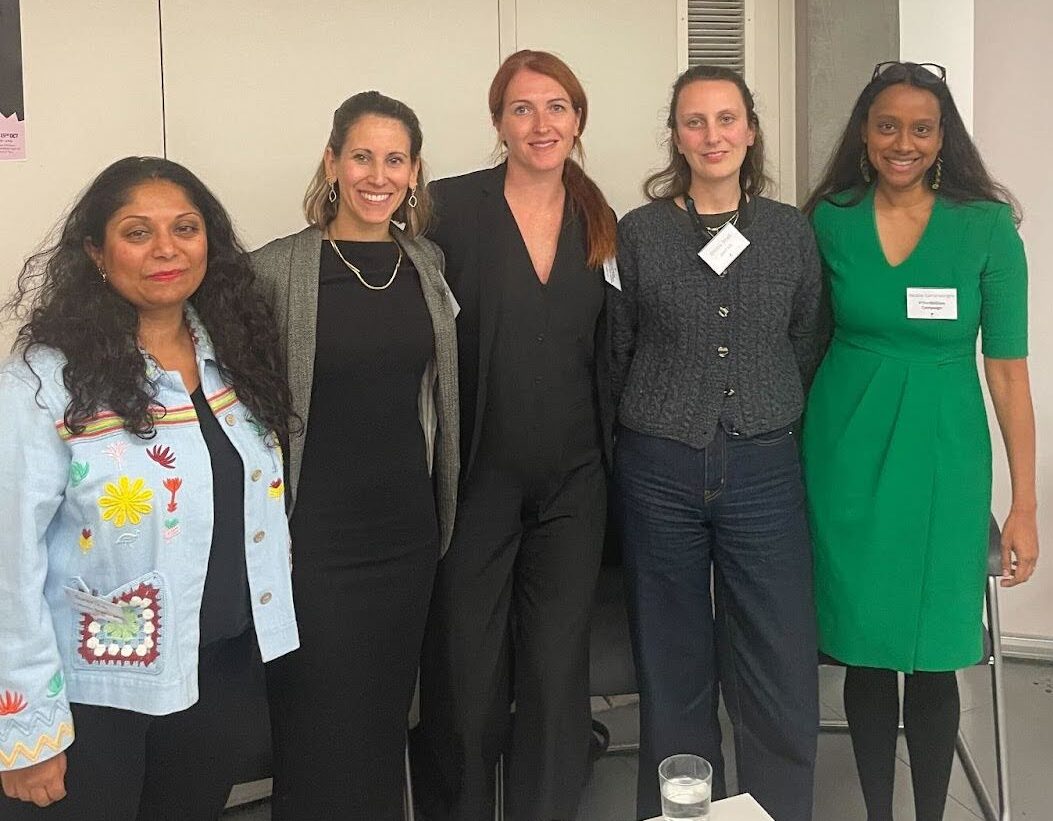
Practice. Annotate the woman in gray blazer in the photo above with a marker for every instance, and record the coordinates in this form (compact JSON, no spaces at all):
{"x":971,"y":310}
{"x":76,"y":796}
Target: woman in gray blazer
{"x":368,"y":326}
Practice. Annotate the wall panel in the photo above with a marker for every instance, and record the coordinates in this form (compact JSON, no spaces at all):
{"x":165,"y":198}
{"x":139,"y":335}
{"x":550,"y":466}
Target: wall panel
{"x":250,"y":89}
{"x":93,"y":94}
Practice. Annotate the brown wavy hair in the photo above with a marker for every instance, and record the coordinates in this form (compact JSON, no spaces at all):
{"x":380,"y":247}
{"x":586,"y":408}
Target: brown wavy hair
{"x":585,"y":197}
{"x":675,"y":179}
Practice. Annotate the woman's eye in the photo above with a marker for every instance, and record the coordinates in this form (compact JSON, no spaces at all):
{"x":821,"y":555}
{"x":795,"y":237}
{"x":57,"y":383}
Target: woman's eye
{"x":137,"y":234}
{"x":520,"y":109}
{"x":188,"y":229}
{"x":395,"y":160}
{"x":559,"y":107}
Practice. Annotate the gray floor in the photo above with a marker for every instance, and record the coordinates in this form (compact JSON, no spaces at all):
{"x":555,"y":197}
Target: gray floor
{"x":1029,"y":685}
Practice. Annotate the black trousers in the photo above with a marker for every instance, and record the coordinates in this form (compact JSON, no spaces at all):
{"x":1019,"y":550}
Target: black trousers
{"x":127,"y":766}
{"x":510,"y":620}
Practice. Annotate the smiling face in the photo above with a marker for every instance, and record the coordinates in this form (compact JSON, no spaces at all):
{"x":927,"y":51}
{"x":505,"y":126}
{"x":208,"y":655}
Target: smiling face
{"x":712,"y":130}
{"x":373,"y":172}
{"x":155,"y":248}
{"x":903,"y":135}
{"x":538,"y":122}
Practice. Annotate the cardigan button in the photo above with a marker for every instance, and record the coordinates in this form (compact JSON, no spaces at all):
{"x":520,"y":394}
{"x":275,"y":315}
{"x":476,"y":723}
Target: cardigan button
{"x":230,"y":419}
{"x":265,"y":598}
{"x":722,"y":351}
{"x":258,"y":536}
{"x":723,"y":311}
{"x":256,"y":474}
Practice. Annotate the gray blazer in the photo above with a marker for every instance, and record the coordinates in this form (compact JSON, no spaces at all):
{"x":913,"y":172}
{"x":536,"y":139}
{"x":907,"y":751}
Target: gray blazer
{"x":288,"y":277}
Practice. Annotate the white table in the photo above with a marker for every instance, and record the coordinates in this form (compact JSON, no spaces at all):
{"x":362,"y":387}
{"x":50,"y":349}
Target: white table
{"x":737,"y":808}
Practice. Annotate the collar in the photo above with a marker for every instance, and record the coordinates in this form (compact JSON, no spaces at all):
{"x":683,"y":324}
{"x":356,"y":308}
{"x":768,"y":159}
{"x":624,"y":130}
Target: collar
{"x":200,"y":337}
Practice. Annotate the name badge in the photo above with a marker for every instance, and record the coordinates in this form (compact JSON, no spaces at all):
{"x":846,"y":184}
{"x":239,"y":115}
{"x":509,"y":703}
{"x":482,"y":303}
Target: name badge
{"x":454,"y":305}
{"x":99,"y":608}
{"x":723,"y":249}
{"x":610,"y":273}
{"x":932,"y":303}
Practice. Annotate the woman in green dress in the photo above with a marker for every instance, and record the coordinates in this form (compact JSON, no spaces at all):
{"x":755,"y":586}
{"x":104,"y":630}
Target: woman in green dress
{"x":920,"y":252}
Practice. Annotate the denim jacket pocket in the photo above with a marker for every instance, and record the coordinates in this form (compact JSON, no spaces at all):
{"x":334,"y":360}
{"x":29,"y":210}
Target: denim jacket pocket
{"x":134,"y":644}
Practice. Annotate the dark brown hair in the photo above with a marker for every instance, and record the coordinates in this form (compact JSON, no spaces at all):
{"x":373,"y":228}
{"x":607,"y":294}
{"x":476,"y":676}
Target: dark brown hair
{"x":963,"y":177}
{"x":585,"y":196}
{"x":67,"y":306}
{"x":675,"y":179}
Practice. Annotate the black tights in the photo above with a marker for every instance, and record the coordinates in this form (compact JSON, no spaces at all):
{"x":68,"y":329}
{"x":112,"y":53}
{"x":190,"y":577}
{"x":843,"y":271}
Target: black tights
{"x":930,"y":720}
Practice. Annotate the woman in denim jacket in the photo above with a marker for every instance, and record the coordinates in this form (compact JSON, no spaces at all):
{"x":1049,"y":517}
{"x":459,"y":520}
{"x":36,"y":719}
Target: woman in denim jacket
{"x":145,"y":554}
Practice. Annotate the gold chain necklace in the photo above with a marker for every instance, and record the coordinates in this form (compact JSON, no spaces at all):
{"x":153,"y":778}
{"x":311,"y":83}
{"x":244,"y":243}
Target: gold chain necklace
{"x":358,"y":273}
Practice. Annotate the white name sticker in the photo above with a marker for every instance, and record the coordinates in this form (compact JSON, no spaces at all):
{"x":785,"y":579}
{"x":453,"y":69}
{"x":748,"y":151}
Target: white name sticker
{"x":724,"y":249}
{"x":610,"y":273}
{"x":102,"y":609}
{"x":454,"y":305}
{"x":932,"y":303}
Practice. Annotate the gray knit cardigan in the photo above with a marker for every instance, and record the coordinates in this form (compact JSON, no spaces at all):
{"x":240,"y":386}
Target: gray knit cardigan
{"x":692,"y":350}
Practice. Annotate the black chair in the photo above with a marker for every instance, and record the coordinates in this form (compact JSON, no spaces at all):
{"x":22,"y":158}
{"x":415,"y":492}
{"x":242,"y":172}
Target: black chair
{"x":992,"y":657}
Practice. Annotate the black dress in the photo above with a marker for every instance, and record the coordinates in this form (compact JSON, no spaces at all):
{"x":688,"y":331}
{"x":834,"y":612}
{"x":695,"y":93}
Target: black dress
{"x":365,"y":544}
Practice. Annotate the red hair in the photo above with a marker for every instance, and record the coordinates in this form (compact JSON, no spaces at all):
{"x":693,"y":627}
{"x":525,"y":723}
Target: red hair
{"x":585,"y":196}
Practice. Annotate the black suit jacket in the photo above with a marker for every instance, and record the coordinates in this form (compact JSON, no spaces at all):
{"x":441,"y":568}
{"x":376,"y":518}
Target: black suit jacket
{"x":468,"y":229}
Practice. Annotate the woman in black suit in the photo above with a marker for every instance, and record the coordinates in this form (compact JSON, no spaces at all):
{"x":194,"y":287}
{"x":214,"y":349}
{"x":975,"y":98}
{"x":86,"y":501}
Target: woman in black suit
{"x":525,"y":244}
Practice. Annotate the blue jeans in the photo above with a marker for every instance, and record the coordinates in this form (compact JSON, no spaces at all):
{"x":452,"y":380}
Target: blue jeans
{"x":736,"y":509}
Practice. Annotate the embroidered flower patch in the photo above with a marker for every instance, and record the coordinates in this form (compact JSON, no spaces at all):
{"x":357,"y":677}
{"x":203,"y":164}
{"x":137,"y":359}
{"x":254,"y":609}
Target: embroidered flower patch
{"x":126,"y":501}
{"x":131,"y":642}
{"x":11,"y":703}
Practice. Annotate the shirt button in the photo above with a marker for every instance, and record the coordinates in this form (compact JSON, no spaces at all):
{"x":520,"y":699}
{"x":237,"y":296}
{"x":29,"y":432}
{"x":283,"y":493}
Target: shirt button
{"x":722,"y":351}
{"x":265,"y":598}
{"x":256,"y":474}
{"x":729,"y":391}
{"x":230,"y":419}
{"x":258,"y":536}
{"x":722,"y":310}
{"x":540,"y":337}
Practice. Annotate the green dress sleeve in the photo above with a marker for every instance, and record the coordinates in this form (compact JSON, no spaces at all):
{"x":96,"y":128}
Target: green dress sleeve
{"x":1003,"y":291}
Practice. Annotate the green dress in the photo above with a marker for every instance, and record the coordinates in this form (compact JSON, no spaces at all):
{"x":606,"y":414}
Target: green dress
{"x":896,"y":449}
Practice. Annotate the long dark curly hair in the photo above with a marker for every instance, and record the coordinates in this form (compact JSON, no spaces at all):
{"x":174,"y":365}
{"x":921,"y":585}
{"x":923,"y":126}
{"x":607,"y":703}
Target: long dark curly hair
{"x":65,"y":304}
{"x":963,"y":176}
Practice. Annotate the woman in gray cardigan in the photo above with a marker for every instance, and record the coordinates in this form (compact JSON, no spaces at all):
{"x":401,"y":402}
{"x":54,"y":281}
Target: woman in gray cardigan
{"x":368,"y":326}
{"x":712,"y":356}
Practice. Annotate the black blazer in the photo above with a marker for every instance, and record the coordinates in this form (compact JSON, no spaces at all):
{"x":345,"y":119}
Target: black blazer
{"x":467,"y":228}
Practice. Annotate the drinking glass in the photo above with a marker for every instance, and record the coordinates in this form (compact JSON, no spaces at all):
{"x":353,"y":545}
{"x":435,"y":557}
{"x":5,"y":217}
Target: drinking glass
{"x":686,"y":782}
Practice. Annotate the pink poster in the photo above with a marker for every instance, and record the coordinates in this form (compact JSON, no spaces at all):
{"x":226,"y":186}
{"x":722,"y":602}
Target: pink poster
{"x":12,"y":98}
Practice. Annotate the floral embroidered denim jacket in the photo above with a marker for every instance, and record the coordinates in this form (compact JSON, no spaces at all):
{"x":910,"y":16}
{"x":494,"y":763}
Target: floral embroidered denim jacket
{"x":130,"y":520}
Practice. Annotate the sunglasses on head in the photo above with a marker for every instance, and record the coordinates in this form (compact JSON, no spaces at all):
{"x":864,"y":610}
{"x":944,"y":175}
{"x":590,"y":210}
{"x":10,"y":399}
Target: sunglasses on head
{"x":921,"y":73}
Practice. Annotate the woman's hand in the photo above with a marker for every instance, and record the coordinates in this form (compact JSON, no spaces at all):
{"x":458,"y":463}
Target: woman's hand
{"x":43,"y":783}
{"x":1019,"y":547}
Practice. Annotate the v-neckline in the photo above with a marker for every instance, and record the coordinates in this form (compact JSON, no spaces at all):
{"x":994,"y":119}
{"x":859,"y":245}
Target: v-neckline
{"x":526,"y":250}
{"x":877,"y":234}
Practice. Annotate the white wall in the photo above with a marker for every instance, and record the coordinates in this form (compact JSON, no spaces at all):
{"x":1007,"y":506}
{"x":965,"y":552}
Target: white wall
{"x":996,"y":55}
{"x":941,"y":31}
{"x":82,"y":112}
{"x":1013,"y":123}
